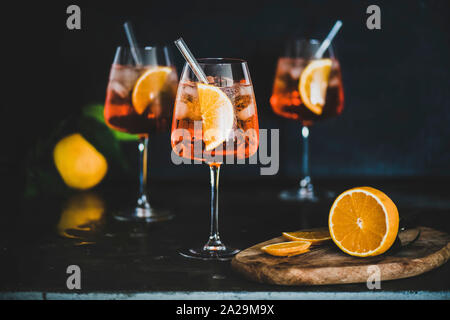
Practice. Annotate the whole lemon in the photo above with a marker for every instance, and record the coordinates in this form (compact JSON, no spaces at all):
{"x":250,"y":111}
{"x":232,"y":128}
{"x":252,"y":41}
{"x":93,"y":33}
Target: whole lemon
{"x":80,"y":165}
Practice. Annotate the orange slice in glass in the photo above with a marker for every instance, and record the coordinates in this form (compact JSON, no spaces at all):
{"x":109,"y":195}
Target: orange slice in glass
{"x":148,"y":86}
{"x":217,"y":115}
{"x":315,"y":236}
{"x":363,"y":222}
{"x":313,"y":84}
{"x":287,"y":249}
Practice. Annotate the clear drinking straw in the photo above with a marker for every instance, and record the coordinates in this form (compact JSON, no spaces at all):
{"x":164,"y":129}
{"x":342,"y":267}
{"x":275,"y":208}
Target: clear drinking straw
{"x":187,"y":54}
{"x":133,"y":43}
{"x":326,"y":43}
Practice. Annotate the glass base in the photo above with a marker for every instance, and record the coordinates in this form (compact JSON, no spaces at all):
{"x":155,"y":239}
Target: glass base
{"x":302,"y":195}
{"x":143,"y":212}
{"x":298,"y":195}
{"x":306,"y":193}
{"x":144,"y":215}
{"x":203,"y":254}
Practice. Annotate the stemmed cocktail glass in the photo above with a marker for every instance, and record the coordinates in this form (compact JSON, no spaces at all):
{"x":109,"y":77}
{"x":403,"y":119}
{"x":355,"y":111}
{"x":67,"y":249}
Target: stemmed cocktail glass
{"x":307,"y":89}
{"x":139,"y":100}
{"x":215,"y":122}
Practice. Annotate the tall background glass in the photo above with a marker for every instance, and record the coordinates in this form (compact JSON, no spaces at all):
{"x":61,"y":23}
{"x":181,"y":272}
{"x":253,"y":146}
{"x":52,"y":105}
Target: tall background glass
{"x":139,"y":100}
{"x":191,"y":122}
{"x":286,"y":101}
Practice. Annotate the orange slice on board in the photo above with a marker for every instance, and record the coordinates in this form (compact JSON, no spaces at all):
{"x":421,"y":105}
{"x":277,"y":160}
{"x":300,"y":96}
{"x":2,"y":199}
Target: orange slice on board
{"x":287,"y":249}
{"x":315,"y":236}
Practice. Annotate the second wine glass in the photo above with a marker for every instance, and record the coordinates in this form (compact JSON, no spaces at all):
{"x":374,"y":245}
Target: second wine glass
{"x":306,"y":89}
{"x":139,"y":100}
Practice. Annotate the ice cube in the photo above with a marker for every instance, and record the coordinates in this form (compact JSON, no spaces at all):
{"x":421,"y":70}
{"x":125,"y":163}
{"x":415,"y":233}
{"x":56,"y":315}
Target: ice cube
{"x":122,"y":80}
{"x":125,"y":75}
{"x":295,"y":72}
{"x":187,"y":105}
{"x":119,"y":89}
{"x":246,"y":90}
{"x":241,"y":101}
{"x":181,"y":110}
{"x":189,"y":93}
{"x":220,"y":81}
{"x":284,"y":65}
{"x":246,"y":113}
{"x":226,"y":82}
{"x":231,"y":91}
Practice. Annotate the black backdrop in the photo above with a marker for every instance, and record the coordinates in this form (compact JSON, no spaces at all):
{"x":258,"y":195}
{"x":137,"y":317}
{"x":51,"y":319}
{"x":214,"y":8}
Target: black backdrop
{"x":396,"y":80}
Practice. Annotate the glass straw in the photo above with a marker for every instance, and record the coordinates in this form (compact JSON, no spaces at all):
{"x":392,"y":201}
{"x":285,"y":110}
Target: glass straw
{"x":187,"y":54}
{"x":326,"y":43}
{"x":133,"y":43}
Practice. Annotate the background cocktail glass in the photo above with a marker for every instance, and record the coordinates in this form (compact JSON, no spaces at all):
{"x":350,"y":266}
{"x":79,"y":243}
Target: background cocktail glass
{"x":214,"y":123}
{"x":287,"y":100}
{"x":139,"y":100}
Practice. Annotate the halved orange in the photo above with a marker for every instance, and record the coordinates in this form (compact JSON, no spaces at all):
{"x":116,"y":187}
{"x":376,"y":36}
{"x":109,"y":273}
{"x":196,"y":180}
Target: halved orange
{"x":363,"y":222}
{"x":315,"y":236}
{"x":313,"y":84}
{"x":148,"y":86}
{"x":217,"y":115}
{"x":287,"y":249}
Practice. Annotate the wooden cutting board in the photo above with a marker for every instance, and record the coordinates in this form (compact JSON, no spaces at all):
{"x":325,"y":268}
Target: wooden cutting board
{"x":326,"y":264}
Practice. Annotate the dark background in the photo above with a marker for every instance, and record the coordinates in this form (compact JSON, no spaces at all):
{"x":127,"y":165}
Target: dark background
{"x":396,"y":80}
{"x":393,"y":134}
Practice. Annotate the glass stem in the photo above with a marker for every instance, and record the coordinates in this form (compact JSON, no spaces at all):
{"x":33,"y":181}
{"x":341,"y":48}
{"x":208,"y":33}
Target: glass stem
{"x":143,"y":154}
{"x":214,"y":242}
{"x":306,"y":187}
{"x":305,"y":143}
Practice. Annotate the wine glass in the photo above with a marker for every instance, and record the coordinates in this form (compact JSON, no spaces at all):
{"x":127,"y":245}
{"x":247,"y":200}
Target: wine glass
{"x":306,"y":89}
{"x":215,"y":123}
{"x":139,"y":100}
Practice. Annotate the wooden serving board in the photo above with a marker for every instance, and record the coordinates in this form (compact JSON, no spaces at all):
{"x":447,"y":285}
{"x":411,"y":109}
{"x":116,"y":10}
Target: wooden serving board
{"x":327,"y":264}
